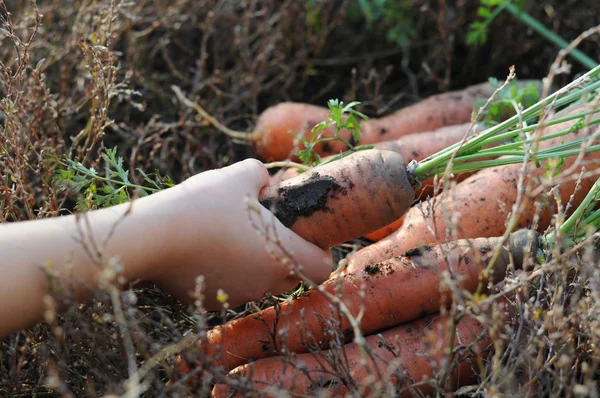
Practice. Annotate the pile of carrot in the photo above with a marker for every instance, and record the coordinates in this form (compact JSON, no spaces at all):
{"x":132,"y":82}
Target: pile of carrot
{"x":394,"y":287}
{"x":368,"y":190}
{"x":399,"y":358}
{"x":273,"y":140}
{"x":399,"y":291}
{"x":482,"y":203}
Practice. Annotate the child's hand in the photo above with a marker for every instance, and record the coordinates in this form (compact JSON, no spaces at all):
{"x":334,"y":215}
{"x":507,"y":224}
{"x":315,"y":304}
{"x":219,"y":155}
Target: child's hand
{"x":209,"y":232}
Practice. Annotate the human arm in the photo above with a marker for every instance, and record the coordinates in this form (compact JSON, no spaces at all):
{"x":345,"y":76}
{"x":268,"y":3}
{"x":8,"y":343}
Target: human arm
{"x":199,"y":227}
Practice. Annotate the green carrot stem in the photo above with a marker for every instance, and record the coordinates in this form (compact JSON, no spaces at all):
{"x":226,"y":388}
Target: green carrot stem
{"x":532,"y":127}
{"x":519,"y":144}
{"x":567,"y":226}
{"x":566,"y":95}
{"x":505,"y":152}
{"x":566,"y":229}
{"x":483,"y":164}
{"x":591,"y":220}
{"x":549,"y":35}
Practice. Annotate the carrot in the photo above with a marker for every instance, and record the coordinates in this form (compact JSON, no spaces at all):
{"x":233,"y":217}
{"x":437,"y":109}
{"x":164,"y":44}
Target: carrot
{"x":479,"y":201}
{"x":343,"y":200}
{"x":403,"y":355}
{"x":395,"y":291}
{"x":410,"y":147}
{"x":272,"y":134}
{"x":273,"y":141}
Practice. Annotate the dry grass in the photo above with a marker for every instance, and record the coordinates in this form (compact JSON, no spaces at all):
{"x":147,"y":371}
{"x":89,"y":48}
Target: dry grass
{"x":78,"y":77}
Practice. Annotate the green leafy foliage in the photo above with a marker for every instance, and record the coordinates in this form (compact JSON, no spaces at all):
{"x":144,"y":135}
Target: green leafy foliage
{"x":343,"y":117}
{"x":487,"y":12}
{"x":390,"y":17}
{"x":111,"y":188}
{"x":394,"y":17}
{"x":507,"y":101}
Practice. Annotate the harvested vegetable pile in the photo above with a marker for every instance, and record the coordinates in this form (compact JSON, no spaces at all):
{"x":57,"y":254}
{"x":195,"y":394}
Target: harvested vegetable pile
{"x":103,"y":101}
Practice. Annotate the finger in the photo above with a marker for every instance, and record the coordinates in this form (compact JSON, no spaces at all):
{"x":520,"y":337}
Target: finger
{"x":252,"y":172}
{"x":313,"y":262}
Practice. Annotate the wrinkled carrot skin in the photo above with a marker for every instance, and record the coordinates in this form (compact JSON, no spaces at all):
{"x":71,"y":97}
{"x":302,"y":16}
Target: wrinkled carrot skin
{"x":446,"y":109}
{"x":479,"y":204}
{"x":387,"y":294}
{"x":403,"y":355}
{"x":275,"y":123}
{"x":343,"y":200}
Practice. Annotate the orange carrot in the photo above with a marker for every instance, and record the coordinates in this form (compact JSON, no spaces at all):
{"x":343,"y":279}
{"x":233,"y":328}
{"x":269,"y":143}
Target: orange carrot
{"x":478,"y":203}
{"x":410,"y":147}
{"x":272,"y":133}
{"x":343,"y":200}
{"x":403,"y":356}
{"x":274,"y":141}
{"x":387,"y":294}
{"x":385,"y":231}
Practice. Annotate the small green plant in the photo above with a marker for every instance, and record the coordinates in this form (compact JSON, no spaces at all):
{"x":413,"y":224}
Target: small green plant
{"x":507,"y":101}
{"x":343,"y":117}
{"x":112,"y":188}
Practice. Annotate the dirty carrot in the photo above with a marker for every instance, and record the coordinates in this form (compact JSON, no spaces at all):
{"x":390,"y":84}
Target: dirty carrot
{"x":343,"y":200}
{"x":387,"y":294}
{"x":406,"y":356}
{"x":410,"y":147}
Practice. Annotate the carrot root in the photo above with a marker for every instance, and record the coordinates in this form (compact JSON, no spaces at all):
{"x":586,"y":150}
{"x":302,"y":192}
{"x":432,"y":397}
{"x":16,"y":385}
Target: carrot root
{"x":387,"y":294}
{"x":401,"y":356}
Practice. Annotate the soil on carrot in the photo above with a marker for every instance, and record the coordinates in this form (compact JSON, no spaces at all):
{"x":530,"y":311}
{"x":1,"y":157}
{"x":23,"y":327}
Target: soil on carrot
{"x":97,"y":75}
{"x":372,"y":269}
{"x":418,"y":251}
{"x":302,"y":200}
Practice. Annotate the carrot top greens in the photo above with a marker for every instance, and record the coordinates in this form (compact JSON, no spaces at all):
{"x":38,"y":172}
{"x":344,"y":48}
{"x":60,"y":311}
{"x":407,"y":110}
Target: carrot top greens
{"x":517,"y":128}
{"x":342,"y":117}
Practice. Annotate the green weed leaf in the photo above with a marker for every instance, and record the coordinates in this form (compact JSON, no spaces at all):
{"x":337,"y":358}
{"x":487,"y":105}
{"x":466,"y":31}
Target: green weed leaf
{"x":112,"y":188}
